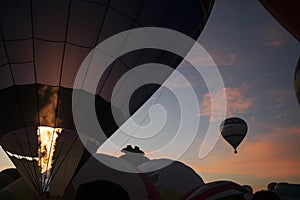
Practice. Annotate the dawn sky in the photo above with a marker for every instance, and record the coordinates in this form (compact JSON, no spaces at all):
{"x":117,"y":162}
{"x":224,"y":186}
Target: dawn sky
{"x":256,"y":58}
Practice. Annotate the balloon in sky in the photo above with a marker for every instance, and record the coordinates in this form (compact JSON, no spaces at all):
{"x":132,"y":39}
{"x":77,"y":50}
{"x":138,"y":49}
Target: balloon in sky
{"x":234,"y":130}
{"x":297,"y":81}
{"x":42,"y":45}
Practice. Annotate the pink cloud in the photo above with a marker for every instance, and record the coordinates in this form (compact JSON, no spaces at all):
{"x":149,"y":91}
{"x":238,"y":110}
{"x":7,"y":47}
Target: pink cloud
{"x":236,"y":102}
{"x":224,"y":58}
{"x":273,"y":35}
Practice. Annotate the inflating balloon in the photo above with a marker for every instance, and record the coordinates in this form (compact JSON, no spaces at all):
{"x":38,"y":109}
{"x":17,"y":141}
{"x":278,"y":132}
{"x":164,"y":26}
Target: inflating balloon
{"x":42,"y":45}
{"x":234,"y":130}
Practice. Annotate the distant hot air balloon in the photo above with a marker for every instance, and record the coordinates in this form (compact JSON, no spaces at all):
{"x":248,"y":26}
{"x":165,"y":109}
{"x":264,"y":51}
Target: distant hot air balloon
{"x":42,"y":45}
{"x":234,"y":130}
{"x":297,"y":81}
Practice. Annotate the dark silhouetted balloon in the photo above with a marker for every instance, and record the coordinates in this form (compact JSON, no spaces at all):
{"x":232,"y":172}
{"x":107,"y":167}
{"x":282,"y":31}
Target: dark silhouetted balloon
{"x":7,"y":176}
{"x":173,"y":181}
{"x":42,"y":45}
{"x":95,"y":174}
{"x":234,"y":130}
{"x":222,"y":189}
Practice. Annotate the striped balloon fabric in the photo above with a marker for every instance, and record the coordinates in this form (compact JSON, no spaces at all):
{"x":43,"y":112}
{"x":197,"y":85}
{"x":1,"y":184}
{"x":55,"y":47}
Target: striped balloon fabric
{"x":218,"y":190}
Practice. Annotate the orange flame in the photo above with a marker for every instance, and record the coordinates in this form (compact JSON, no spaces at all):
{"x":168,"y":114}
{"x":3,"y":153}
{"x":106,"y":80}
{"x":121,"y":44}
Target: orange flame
{"x":47,"y":140}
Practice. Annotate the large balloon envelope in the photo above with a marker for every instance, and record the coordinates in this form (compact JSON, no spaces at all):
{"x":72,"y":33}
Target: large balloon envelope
{"x":234,"y":130}
{"x":42,"y":45}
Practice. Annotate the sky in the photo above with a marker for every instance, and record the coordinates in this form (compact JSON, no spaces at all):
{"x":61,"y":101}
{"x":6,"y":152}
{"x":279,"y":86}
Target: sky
{"x":256,"y":57}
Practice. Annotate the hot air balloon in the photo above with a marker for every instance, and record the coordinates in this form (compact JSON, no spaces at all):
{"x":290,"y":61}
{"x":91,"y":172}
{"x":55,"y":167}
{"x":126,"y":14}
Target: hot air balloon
{"x":297,"y":81}
{"x":287,"y":190}
{"x":234,"y":130}
{"x":173,"y":181}
{"x":222,"y":189}
{"x":42,"y":45}
{"x":17,"y":190}
{"x":7,"y":176}
{"x":94,"y":178}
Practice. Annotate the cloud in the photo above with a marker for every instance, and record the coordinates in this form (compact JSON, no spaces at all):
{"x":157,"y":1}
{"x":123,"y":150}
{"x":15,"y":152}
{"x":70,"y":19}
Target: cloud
{"x":236,"y":103}
{"x":273,"y":155}
{"x":280,"y":103}
{"x":224,"y":59}
{"x":273,"y":35}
